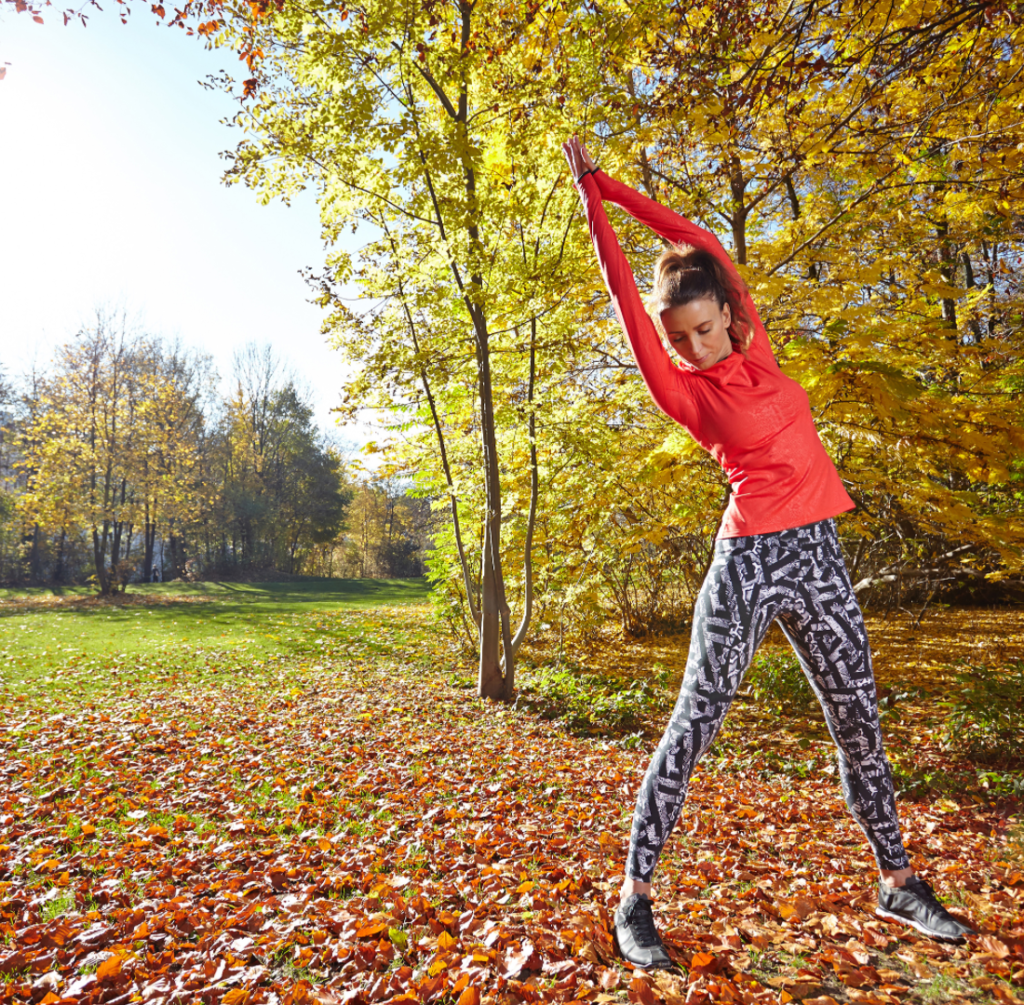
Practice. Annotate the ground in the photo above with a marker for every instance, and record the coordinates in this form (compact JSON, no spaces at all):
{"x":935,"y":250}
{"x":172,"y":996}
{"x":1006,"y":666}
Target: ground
{"x":281,"y":793}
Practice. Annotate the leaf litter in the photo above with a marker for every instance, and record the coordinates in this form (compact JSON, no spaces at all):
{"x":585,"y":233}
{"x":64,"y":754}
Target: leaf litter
{"x":356,"y":830}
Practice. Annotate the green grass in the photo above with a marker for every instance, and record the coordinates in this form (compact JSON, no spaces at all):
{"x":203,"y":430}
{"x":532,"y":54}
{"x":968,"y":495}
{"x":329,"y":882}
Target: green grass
{"x":59,"y":906}
{"x":60,"y":640}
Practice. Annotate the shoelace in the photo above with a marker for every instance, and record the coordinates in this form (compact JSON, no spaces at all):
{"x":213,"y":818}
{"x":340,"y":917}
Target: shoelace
{"x":641,"y":921}
{"x":924,"y":892}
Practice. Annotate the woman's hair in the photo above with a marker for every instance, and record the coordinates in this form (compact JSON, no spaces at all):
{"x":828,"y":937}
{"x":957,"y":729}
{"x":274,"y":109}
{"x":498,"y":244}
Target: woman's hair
{"x":683,"y":274}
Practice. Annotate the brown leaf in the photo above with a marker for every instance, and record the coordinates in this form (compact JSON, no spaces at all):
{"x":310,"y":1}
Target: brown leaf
{"x":525,"y":959}
{"x":801,"y":908}
{"x":797,"y":987}
{"x":671,"y":986}
{"x":641,"y":992}
{"x":997,"y":948}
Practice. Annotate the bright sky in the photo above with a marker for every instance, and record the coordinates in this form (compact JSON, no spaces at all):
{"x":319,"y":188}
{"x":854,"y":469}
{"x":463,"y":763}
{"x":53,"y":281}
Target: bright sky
{"x":110,"y":194}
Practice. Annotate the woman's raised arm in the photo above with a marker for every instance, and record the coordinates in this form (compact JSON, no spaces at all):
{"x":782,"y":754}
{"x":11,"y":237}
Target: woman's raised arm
{"x":663,"y":379}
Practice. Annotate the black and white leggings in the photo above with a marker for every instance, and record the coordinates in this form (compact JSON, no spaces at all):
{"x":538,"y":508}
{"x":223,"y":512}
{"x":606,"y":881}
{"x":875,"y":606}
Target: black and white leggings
{"x":799,"y":577}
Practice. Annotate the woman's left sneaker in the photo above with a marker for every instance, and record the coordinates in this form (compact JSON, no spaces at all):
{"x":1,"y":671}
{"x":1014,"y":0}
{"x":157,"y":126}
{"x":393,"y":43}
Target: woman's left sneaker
{"x":916,"y":904}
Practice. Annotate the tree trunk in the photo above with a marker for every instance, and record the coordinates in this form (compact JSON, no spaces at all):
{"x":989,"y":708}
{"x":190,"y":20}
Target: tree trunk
{"x":738,"y":185}
{"x":99,"y":557}
{"x":177,"y":556}
{"x":490,"y":683}
{"x":148,"y":540}
{"x":35,"y":558}
{"x":524,"y":624}
{"x":495,"y":633}
{"x":59,"y":572}
{"x":947,"y":269}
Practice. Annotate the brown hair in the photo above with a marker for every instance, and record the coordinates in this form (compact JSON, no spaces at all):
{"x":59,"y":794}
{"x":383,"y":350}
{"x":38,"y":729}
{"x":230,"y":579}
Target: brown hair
{"x":683,"y":274}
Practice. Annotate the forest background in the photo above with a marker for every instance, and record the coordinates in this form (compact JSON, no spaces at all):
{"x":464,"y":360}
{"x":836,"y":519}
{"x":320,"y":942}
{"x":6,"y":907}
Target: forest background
{"x":862,"y":163}
{"x":122,"y":463}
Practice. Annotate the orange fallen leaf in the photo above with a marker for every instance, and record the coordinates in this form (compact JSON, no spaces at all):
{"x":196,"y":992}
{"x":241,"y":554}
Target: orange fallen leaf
{"x":108,"y":969}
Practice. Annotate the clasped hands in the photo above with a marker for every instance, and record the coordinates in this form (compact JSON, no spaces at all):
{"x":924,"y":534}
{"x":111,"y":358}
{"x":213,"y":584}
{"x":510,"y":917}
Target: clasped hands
{"x":580,"y":162}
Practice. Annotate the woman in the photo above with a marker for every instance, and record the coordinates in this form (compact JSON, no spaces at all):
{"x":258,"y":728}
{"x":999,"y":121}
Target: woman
{"x":777,"y":553}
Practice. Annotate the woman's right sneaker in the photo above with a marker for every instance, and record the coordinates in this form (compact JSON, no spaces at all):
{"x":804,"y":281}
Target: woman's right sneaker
{"x":916,"y":904}
{"x":636,"y":937}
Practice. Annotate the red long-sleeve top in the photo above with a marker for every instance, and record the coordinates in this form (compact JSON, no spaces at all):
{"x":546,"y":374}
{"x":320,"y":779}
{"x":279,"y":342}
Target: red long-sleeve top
{"x":753,"y":419}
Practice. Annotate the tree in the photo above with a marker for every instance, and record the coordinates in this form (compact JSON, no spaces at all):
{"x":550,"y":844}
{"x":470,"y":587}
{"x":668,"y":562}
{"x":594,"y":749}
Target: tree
{"x":429,"y":124}
{"x":283,"y":493}
{"x":109,"y":441}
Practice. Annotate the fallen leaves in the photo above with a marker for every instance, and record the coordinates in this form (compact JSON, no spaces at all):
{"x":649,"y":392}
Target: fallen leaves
{"x":365,"y":834}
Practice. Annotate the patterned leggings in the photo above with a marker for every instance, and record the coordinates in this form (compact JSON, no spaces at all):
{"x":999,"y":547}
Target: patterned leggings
{"x":799,"y":577}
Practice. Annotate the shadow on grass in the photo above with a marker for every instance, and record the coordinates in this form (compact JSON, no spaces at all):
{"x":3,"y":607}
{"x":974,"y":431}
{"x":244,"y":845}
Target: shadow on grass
{"x":159,"y":626}
{"x":295,"y":590}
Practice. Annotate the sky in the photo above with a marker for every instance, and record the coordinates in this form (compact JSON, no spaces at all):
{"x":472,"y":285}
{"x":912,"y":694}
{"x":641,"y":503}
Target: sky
{"x":110,"y":196}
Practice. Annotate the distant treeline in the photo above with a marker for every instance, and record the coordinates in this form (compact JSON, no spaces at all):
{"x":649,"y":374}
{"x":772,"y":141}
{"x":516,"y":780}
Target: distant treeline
{"x":120,"y":462}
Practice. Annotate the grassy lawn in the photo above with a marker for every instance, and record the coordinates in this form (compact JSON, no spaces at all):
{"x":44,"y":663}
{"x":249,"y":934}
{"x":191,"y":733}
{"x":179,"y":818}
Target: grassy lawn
{"x":55,"y":641}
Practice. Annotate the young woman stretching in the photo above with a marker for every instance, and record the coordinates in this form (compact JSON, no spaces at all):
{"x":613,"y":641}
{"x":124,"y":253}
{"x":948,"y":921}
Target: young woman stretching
{"x":777,"y":554}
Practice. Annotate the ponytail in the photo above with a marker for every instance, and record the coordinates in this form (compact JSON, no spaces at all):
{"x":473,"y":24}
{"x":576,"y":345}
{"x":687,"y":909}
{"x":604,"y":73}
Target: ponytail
{"x":683,"y":274}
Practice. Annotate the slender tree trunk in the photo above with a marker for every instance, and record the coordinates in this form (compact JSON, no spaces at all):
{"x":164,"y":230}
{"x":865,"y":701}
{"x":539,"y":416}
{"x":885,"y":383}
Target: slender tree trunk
{"x":59,"y":572}
{"x":148,"y":540}
{"x":738,"y":185}
{"x":970,"y":283}
{"x":495,"y":634}
{"x":524,"y":624}
{"x":99,"y":557}
{"x":177,"y":556}
{"x":35,"y":558}
{"x":947,"y":269}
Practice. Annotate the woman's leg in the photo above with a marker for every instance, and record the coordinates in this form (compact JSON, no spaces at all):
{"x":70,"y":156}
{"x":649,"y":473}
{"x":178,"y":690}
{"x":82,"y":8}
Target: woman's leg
{"x":823,"y":623}
{"x":731,"y":616}
{"x":733,"y":611}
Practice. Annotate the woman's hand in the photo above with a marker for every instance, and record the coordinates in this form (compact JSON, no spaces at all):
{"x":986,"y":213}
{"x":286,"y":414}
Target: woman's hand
{"x":580,"y":162}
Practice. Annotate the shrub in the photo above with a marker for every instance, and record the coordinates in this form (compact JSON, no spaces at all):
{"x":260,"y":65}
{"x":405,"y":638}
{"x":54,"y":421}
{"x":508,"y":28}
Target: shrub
{"x":594,"y":704}
{"x":776,"y":681}
{"x":985,"y":718}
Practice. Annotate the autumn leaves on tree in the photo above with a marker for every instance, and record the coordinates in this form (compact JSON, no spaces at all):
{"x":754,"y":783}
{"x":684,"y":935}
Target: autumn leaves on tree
{"x":861,"y":159}
{"x":122,"y":439}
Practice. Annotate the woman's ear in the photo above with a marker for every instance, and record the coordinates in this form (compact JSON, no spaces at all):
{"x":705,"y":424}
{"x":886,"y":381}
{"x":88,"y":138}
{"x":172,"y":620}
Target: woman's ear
{"x":726,"y":315}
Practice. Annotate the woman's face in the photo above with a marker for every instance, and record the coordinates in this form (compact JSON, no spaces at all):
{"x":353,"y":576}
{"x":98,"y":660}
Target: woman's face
{"x":699,"y":331}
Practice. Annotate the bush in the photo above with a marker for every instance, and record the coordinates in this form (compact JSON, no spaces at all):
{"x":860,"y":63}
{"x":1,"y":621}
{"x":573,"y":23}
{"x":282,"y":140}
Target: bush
{"x":591,"y":704}
{"x":776,"y":681}
{"x":985,"y":719}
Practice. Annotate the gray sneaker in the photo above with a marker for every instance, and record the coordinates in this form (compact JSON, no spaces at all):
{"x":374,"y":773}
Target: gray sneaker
{"x":636,"y":937}
{"x":916,"y":904}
